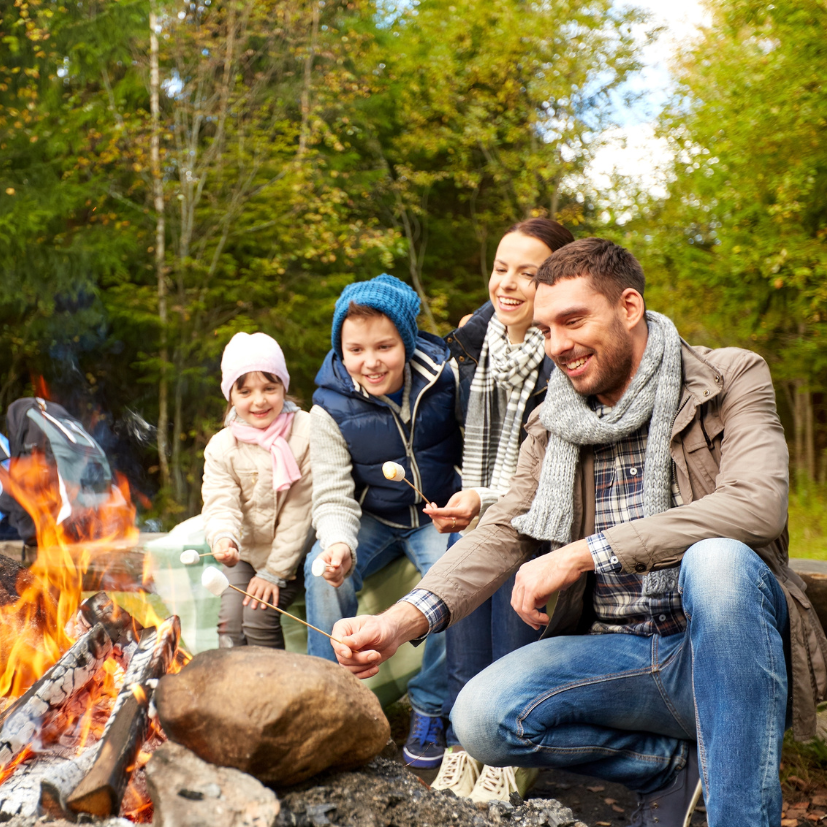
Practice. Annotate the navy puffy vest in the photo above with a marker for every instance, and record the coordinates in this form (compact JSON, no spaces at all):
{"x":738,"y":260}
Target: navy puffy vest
{"x":430,"y":449}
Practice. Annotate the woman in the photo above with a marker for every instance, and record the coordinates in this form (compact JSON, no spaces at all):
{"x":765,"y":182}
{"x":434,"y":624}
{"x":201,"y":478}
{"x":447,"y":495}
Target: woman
{"x":503,"y":377}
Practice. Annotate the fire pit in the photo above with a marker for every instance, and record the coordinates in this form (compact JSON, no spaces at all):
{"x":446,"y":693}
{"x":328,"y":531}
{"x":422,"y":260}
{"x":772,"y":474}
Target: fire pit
{"x":77,"y":678}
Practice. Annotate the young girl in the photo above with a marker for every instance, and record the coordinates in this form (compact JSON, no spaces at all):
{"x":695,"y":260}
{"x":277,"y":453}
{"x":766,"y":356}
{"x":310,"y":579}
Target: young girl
{"x":257,"y":491}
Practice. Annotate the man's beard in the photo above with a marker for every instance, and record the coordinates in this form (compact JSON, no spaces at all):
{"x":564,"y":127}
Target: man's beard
{"x":613,"y":367}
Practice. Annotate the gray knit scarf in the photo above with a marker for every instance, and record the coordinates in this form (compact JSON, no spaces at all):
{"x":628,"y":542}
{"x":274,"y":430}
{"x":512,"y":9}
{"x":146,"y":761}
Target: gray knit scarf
{"x":652,"y":396}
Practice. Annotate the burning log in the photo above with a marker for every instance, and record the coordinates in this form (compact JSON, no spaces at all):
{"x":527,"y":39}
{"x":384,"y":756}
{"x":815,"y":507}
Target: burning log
{"x":121,"y":627}
{"x":69,"y":675}
{"x":101,"y":791}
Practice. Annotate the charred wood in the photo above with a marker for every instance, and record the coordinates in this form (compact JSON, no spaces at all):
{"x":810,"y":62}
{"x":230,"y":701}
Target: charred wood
{"x":101,"y":791}
{"x":121,"y":627}
{"x":20,"y":722}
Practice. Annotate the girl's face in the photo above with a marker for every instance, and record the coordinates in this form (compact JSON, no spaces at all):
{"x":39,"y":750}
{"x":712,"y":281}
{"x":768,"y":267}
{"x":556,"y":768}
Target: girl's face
{"x":510,"y":287}
{"x":373,"y":353}
{"x":259,"y":400}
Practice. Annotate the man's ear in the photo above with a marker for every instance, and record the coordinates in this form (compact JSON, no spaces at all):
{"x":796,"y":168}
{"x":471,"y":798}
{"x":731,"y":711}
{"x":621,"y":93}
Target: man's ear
{"x":632,"y":308}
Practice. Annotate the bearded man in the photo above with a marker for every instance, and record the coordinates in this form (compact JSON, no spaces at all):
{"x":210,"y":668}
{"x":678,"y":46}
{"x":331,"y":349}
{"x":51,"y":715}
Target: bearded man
{"x":678,"y":643}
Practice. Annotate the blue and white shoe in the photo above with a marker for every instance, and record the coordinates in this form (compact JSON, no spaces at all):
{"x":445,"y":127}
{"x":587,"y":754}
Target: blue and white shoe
{"x":426,"y":743}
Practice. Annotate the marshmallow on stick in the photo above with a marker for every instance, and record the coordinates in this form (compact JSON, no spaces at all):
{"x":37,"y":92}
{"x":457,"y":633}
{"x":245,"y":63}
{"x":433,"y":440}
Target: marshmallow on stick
{"x":190,"y":556}
{"x":394,"y":471}
{"x":319,"y":566}
{"x":214,"y":580}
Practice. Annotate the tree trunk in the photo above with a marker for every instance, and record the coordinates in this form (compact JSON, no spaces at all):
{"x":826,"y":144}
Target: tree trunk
{"x":804,"y":452}
{"x":308,"y":79}
{"x":160,"y":238}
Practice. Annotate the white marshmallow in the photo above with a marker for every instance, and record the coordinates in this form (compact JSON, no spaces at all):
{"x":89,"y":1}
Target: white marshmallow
{"x":189,"y":557}
{"x":214,"y":580}
{"x":393,"y":471}
{"x":318,"y":567}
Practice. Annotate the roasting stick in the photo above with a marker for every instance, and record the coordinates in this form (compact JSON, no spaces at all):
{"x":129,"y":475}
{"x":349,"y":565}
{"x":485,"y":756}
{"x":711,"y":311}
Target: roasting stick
{"x":394,"y":471}
{"x":216,"y":581}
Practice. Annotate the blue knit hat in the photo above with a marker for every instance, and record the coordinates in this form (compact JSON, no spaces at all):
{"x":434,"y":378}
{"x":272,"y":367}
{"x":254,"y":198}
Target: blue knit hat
{"x":388,"y":295}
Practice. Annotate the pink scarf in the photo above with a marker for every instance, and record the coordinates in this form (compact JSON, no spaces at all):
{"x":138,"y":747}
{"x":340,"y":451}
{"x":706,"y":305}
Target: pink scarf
{"x":285,"y":469}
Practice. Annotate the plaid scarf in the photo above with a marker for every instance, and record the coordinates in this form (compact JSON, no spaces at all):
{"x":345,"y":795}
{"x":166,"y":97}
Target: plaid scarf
{"x":503,"y":381}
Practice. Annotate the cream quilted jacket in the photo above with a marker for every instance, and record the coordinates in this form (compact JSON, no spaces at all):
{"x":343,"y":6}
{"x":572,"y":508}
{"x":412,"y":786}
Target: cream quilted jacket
{"x":269,"y":527}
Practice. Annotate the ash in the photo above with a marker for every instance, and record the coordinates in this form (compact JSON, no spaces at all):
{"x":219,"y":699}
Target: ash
{"x":386,"y":794}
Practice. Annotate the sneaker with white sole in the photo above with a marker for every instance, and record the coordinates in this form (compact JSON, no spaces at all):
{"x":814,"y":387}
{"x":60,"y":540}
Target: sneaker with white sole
{"x":497,"y":783}
{"x":426,"y":742}
{"x":459,"y":772}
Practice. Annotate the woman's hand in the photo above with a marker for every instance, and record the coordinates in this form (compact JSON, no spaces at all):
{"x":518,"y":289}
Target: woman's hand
{"x":263,"y":590}
{"x":338,"y":561}
{"x":457,"y":514}
{"x":226,"y":551}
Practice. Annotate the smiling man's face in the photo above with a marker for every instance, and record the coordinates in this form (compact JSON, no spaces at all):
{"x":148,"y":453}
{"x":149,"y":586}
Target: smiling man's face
{"x":590,"y":338}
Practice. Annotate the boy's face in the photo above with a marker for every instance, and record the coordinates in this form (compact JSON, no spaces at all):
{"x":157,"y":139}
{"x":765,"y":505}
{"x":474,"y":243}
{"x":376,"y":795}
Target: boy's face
{"x":373,"y":353}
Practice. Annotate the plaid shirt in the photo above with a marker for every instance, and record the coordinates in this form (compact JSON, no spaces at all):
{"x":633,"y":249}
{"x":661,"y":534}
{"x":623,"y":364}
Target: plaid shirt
{"x":619,"y":602}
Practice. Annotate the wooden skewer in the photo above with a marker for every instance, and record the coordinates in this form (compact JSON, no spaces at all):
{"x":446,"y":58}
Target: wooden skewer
{"x":417,"y":490}
{"x":297,"y":619}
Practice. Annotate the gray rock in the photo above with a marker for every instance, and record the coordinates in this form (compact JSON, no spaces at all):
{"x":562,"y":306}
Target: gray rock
{"x":189,"y":792}
{"x":279,"y":716}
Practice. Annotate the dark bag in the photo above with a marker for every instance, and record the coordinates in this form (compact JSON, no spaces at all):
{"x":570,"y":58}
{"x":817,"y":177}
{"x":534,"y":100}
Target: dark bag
{"x":78,"y":472}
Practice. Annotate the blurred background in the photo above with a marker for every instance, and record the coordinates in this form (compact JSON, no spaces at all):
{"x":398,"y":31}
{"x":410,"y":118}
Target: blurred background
{"x":171,"y":173}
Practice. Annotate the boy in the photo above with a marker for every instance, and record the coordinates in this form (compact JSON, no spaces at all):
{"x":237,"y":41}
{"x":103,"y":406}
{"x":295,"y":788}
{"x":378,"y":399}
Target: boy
{"x":386,"y":391}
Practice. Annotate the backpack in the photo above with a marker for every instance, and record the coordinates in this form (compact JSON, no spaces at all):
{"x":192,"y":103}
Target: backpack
{"x":78,"y":470}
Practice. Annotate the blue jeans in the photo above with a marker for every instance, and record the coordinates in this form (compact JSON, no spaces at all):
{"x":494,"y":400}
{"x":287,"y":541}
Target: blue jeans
{"x":378,"y":545}
{"x":490,"y":632}
{"x":629,"y":708}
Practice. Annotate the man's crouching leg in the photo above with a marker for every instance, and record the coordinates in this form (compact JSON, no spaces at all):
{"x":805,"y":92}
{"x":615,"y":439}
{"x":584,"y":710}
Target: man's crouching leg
{"x":591,"y":703}
{"x":738,"y":628}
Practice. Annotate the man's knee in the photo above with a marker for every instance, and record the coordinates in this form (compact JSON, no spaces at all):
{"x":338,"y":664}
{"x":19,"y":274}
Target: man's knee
{"x":478,"y":723}
{"x":719,"y":576}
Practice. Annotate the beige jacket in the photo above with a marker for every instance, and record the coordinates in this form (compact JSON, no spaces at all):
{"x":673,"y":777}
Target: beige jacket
{"x":269,"y":527}
{"x":732,"y":468}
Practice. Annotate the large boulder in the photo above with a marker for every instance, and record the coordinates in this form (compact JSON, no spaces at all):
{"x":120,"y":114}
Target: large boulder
{"x":279,"y":716}
{"x":189,"y":792}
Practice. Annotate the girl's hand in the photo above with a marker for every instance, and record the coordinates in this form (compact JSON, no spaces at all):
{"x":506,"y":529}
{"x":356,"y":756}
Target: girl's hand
{"x":263,"y":590}
{"x":457,"y":514}
{"x":226,"y":552}
{"x":337,"y":556}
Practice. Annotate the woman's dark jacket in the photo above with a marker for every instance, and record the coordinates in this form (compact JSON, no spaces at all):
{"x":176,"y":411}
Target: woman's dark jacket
{"x":466,"y":343}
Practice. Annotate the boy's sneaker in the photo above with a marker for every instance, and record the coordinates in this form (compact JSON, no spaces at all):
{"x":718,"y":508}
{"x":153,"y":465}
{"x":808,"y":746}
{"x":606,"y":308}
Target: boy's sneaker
{"x":673,"y":805}
{"x":426,"y":743}
{"x":497,"y":783}
{"x":459,"y":772}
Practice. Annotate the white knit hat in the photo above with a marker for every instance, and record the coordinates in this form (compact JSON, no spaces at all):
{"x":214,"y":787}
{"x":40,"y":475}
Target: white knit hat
{"x":252,"y":352}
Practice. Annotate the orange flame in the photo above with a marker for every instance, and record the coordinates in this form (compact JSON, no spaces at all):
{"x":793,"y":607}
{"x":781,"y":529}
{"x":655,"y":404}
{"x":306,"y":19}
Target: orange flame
{"x":33,"y":627}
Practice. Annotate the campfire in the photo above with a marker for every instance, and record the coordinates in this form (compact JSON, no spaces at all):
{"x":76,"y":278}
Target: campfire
{"x":77,"y":720}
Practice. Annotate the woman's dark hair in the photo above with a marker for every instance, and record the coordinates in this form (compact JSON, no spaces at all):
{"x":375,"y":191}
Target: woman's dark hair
{"x":552,"y":234}
{"x":270,"y":377}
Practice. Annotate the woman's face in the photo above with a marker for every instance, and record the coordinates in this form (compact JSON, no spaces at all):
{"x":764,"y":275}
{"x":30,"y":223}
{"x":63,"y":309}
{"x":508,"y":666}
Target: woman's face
{"x":510,"y":287}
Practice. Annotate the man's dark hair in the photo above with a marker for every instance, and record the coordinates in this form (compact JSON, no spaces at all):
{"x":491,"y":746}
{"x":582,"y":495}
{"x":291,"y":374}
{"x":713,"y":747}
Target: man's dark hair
{"x":611,"y":268}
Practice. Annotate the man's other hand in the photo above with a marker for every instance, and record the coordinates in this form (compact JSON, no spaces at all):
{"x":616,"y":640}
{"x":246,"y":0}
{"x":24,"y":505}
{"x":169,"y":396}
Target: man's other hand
{"x":539,"y":579}
{"x":369,"y":640}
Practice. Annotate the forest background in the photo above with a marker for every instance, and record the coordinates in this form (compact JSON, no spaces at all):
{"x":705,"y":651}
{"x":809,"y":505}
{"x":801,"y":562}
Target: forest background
{"x":174,"y":172}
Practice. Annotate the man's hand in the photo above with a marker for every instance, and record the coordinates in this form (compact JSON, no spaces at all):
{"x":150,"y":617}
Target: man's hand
{"x":226,"y":551}
{"x":539,"y":579}
{"x":369,"y":640}
{"x":338,"y":561}
{"x":263,"y":590}
{"x":457,"y":513}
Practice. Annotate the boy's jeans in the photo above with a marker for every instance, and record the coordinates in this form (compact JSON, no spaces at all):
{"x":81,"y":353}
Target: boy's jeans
{"x":378,"y":545}
{"x":628,"y":708}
